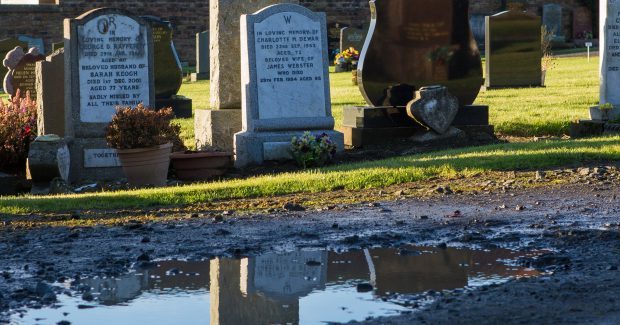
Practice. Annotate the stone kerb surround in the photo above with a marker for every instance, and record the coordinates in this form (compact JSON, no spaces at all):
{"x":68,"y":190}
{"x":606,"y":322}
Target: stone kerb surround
{"x":89,"y":136}
{"x":265,"y":136}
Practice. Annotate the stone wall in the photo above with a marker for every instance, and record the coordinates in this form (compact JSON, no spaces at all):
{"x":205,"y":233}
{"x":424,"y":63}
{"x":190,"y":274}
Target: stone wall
{"x":192,"y":16}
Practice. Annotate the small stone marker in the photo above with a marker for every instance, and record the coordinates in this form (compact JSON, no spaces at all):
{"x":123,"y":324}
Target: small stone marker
{"x":434,"y":107}
{"x":108,"y":63}
{"x":51,"y":94}
{"x":7,"y":45}
{"x":352,"y":37}
{"x":285,"y":73}
{"x":513,"y":50}
{"x":552,"y":19}
{"x":202,"y":57}
{"x":35,"y":42}
{"x":21,"y":75}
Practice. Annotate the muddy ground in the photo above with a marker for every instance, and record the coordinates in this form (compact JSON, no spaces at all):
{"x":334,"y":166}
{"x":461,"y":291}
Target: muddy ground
{"x":578,"y":219}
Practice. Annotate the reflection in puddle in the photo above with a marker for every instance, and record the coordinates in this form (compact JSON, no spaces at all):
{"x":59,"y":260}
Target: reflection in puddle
{"x":304,"y":287}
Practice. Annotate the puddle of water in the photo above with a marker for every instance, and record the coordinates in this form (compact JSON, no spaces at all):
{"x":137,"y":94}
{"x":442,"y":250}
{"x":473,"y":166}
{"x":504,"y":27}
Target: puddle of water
{"x":304,"y":287}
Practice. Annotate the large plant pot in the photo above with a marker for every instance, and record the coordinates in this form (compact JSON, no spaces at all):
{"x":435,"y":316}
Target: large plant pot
{"x":148,"y":166}
{"x":200,"y":166}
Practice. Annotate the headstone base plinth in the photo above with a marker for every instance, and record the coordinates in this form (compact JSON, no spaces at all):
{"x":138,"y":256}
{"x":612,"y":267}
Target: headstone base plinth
{"x":586,"y":128}
{"x":359,"y":137}
{"x":11,"y":184}
{"x":216,"y":129}
{"x":199,"y":76}
{"x":254,"y":148}
{"x":472,"y":115}
{"x":93,"y":160}
{"x":182,"y":106}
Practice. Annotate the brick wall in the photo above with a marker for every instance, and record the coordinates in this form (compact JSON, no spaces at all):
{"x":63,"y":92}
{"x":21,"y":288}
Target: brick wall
{"x":191,"y":16}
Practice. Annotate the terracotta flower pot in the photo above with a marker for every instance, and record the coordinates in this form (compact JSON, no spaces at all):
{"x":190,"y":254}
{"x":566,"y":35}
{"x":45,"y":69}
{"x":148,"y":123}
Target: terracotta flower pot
{"x":148,"y":166}
{"x":201,"y":165}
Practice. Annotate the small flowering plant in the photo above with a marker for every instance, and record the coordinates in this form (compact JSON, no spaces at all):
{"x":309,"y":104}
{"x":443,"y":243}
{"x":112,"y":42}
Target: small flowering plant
{"x":18,"y":128}
{"x":348,"y":56}
{"x":312,"y":150}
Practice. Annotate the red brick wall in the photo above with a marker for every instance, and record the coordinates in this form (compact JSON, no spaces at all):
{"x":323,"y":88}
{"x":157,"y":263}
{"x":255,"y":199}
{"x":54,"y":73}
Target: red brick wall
{"x":191,"y":16}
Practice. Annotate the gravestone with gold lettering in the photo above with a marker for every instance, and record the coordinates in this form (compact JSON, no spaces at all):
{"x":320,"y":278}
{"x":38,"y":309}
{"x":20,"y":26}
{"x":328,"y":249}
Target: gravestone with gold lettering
{"x":7,"y":45}
{"x":108,"y":63}
{"x":286,"y":82}
{"x":21,"y":75}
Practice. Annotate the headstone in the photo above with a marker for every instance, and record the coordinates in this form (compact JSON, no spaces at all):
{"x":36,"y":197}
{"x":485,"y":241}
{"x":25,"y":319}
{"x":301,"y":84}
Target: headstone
{"x":202,"y":57}
{"x":410,"y":48}
{"x":7,"y":45}
{"x":418,"y":48}
{"x":51,"y":94}
{"x":35,"y":42}
{"x":168,"y":71}
{"x":582,"y":23}
{"x":552,"y":19}
{"x":108,"y":63}
{"x":513,"y":50}
{"x":217,"y":126}
{"x":477,"y":23}
{"x":48,"y":158}
{"x":434,"y":107}
{"x":21,"y":75}
{"x":285,"y":73}
{"x":609,"y":60}
{"x":352,"y":37}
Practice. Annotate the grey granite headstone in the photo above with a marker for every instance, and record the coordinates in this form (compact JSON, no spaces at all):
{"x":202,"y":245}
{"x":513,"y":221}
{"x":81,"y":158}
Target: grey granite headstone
{"x":202,"y":57}
{"x":50,"y":86}
{"x":609,"y":58}
{"x":513,"y":50}
{"x":285,"y":73}
{"x":552,"y":19}
{"x":217,"y":125}
{"x":108,"y":63}
{"x":33,"y":42}
{"x":352,"y":37}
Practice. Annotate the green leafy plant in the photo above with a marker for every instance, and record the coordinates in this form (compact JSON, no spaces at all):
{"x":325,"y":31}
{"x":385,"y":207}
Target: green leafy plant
{"x":18,"y":128}
{"x":312,"y":151}
{"x":606,"y":107}
{"x":142,"y":127}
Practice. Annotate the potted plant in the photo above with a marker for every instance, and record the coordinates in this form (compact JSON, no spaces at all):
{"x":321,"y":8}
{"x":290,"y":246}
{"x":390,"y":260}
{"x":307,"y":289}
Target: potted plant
{"x":347,"y":60}
{"x":312,"y":150}
{"x":144,"y":139}
{"x":200,"y":165}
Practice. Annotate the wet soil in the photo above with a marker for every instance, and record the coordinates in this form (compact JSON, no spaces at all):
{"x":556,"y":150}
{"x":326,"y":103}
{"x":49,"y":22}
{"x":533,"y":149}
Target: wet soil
{"x":574,"y":213}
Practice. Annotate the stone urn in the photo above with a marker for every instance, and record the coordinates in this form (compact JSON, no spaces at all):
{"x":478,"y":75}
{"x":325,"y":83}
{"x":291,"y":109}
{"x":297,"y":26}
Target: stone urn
{"x":200,"y":165}
{"x":146,"y":166}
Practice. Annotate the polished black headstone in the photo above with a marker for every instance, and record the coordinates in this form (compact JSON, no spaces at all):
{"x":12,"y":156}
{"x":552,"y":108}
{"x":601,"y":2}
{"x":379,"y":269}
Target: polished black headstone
{"x":24,"y":77}
{"x":513,"y":50}
{"x":418,"y":43}
{"x":168,"y":72}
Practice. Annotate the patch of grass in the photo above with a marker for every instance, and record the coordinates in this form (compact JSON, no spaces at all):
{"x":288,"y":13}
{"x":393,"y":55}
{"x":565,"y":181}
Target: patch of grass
{"x":376,"y":174}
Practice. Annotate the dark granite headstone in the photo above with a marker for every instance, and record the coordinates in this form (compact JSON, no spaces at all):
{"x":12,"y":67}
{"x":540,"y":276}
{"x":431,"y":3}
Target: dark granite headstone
{"x":552,"y":19}
{"x":7,"y":45}
{"x":418,"y":43}
{"x":168,"y":72}
{"x":352,"y":37}
{"x":513,"y":51}
{"x":21,"y":75}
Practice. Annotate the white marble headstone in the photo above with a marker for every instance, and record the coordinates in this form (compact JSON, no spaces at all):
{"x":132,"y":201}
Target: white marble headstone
{"x":610,"y":52}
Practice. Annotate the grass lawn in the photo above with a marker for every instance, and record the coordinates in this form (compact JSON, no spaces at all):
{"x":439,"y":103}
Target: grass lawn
{"x":376,"y":174}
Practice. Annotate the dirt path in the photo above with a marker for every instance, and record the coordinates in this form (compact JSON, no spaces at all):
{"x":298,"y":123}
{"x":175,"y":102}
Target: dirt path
{"x":579,"y":221}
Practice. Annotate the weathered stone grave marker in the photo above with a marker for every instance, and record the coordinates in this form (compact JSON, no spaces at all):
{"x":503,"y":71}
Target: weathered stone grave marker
{"x":202,"y":57}
{"x":7,"y":45}
{"x":216,"y":127}
{"x":552,"y":19}
{"x":168,"y":71}
{"x":353,"y":37}
{"x":513,"y":50}
{"x":108,"y":63}
{"x":21,"y":75}
{"x":286,"y":78}
{"x":50,"y":74}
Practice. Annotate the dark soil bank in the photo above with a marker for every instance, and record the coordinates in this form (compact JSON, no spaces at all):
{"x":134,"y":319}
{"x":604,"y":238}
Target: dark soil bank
{"x":577,"y":222}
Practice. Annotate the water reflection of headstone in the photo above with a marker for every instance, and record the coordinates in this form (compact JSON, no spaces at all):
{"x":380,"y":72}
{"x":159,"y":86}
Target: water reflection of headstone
{"x":232,"y":305}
